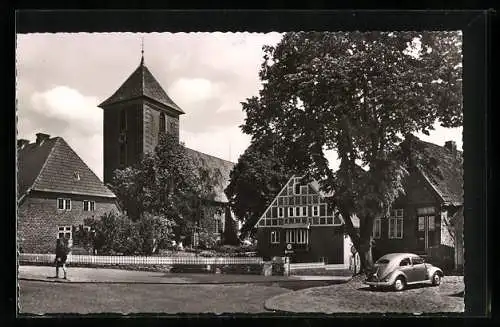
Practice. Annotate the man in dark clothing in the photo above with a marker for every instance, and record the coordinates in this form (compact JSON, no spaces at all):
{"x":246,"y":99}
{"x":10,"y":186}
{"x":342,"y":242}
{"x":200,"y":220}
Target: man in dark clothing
{"x":62,"y":251}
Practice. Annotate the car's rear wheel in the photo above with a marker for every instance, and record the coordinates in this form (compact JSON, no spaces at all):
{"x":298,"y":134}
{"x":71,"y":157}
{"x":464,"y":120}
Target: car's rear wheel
{"x":436,"y":279}
{"x":399,"y":284}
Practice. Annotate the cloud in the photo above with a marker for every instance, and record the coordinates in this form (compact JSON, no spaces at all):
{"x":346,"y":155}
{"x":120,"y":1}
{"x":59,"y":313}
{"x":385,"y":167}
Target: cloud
{"x":64,"y":103}
{"x":61,"y":78}
{"x":62,"y":111}
{"x":191,"y":90}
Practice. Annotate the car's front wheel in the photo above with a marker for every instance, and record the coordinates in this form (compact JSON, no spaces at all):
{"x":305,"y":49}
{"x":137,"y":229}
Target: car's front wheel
{"x":399,"y":284}
{"x":436,"y":279}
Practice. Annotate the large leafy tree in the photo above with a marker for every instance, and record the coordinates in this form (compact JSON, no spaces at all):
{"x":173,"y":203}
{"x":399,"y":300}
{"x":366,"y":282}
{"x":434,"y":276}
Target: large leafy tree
{"x":359,"y":94}
{"x":254,"y":181}
{"x":167,"y":183}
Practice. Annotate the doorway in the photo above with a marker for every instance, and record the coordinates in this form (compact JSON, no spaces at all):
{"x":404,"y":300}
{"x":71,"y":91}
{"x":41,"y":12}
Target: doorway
{"x":426,"y":227}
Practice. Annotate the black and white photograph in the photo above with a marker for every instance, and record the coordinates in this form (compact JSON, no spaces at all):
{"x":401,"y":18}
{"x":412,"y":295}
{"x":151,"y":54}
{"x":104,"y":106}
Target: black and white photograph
{"x":240,"y":172}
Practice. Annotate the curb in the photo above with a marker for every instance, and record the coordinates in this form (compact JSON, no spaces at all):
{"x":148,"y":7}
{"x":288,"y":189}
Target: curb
{"x":270,"y":282}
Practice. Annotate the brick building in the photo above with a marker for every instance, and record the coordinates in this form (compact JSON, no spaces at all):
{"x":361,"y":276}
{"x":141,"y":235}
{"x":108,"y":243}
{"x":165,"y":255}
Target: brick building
{"x":56,"y":191}
{"x":134,"y":116}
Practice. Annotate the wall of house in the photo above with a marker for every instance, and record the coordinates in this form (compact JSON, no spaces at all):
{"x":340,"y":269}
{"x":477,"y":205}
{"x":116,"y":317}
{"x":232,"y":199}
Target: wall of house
{"x":38,"y":218}
{"x":418,"y":195}
{"x":326,"y":243}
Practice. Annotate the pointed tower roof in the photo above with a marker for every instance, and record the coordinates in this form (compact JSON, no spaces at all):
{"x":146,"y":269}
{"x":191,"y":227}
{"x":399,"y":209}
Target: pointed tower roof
{"x":142,"y":84}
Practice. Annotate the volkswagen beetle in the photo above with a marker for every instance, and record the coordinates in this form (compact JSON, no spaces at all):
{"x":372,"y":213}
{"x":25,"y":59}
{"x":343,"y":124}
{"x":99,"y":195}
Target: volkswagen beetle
{"x":398,"y":270}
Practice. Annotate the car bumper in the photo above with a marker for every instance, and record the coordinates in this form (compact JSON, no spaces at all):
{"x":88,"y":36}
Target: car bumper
{"x":377,"y":284}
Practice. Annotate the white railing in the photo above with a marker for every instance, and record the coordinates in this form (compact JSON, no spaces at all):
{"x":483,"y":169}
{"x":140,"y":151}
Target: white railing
{"x":139,"y":260}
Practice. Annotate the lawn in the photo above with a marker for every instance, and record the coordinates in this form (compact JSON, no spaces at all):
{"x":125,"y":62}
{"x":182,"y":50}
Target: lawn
{"x":42,"y":297}
{"x":359,"y":298}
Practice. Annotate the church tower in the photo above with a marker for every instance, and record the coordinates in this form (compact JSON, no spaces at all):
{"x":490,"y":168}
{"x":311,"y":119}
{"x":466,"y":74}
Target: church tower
{"x":133,"y":118}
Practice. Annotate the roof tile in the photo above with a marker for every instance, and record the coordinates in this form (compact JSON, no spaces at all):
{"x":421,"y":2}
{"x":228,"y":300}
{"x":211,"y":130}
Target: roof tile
{"x":54,"y":167}
{"x":221,"y":167}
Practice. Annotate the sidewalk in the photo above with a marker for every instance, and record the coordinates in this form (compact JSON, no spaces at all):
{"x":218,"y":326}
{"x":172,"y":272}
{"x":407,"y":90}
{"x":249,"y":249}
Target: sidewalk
{"x":105,"y":275}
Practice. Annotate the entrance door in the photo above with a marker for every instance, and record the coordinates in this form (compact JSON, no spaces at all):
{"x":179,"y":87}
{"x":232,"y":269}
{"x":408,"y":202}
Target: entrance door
{"x":425,"y":233}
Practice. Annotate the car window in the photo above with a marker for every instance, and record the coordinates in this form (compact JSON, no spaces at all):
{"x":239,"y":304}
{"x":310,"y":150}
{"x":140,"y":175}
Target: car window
{"x":417,"y":260}
{"x":405,"y":262}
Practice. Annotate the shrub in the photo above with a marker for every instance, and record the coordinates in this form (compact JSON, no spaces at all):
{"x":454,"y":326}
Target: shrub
{"x":208,"y":254}
{"x":154,"y":233}
{"x":112,"y":234}
{"x":207,"y":240}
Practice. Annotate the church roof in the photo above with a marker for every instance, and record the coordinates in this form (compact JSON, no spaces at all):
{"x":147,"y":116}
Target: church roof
{"x":222,"y":169}
{"x":141,"y":83}
{"x":53,"y":166}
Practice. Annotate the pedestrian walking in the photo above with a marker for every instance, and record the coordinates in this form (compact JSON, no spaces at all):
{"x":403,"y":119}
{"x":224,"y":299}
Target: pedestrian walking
{"x":62,"y":251}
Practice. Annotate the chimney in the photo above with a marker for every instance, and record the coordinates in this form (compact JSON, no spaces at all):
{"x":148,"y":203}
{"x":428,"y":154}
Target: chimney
{"x":451,"y":146}
{"x":21,"y":143}
{"x":41,"y":137}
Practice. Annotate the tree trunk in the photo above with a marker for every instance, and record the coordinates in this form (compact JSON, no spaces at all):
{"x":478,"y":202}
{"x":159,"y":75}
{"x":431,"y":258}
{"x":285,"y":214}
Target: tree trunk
{"x":361,"y":240}
{"x":365,"y":250}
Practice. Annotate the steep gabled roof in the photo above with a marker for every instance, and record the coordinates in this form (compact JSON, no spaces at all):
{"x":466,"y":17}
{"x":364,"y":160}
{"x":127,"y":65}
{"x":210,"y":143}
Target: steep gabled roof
{"x":142,"y":84}
{"x":447,"y":180}
{"x":53,"y":166}
{"x":222,"y":169}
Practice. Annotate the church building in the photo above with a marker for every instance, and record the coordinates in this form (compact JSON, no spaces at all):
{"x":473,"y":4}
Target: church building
{"x":134,"y":117}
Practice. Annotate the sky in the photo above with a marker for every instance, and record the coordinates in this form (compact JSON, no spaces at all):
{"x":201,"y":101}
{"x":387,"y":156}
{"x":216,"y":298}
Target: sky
{"x":61,"y":78}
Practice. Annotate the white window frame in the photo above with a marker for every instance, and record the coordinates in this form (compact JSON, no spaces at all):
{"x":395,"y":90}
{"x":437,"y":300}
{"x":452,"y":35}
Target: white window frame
{"x":281,"y":212}
{"x":90,"y":205}
{"x":304,"y":211}
{"x":377,"y":223}
{"x":298,"y":212}
{"x":66,"y":204}
{"x":395,"y":221}
{"x":64,"y":230}
{"x":297,"y":236}
{"x":291,"y":211}
{"x":275,"y":237}
{"x":315,"y":208}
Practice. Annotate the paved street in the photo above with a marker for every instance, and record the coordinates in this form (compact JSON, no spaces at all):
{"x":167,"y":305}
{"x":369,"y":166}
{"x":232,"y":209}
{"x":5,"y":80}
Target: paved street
{"x":41,"y":297}
{"x":97,"y":290}
{"x":359,"y":298}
